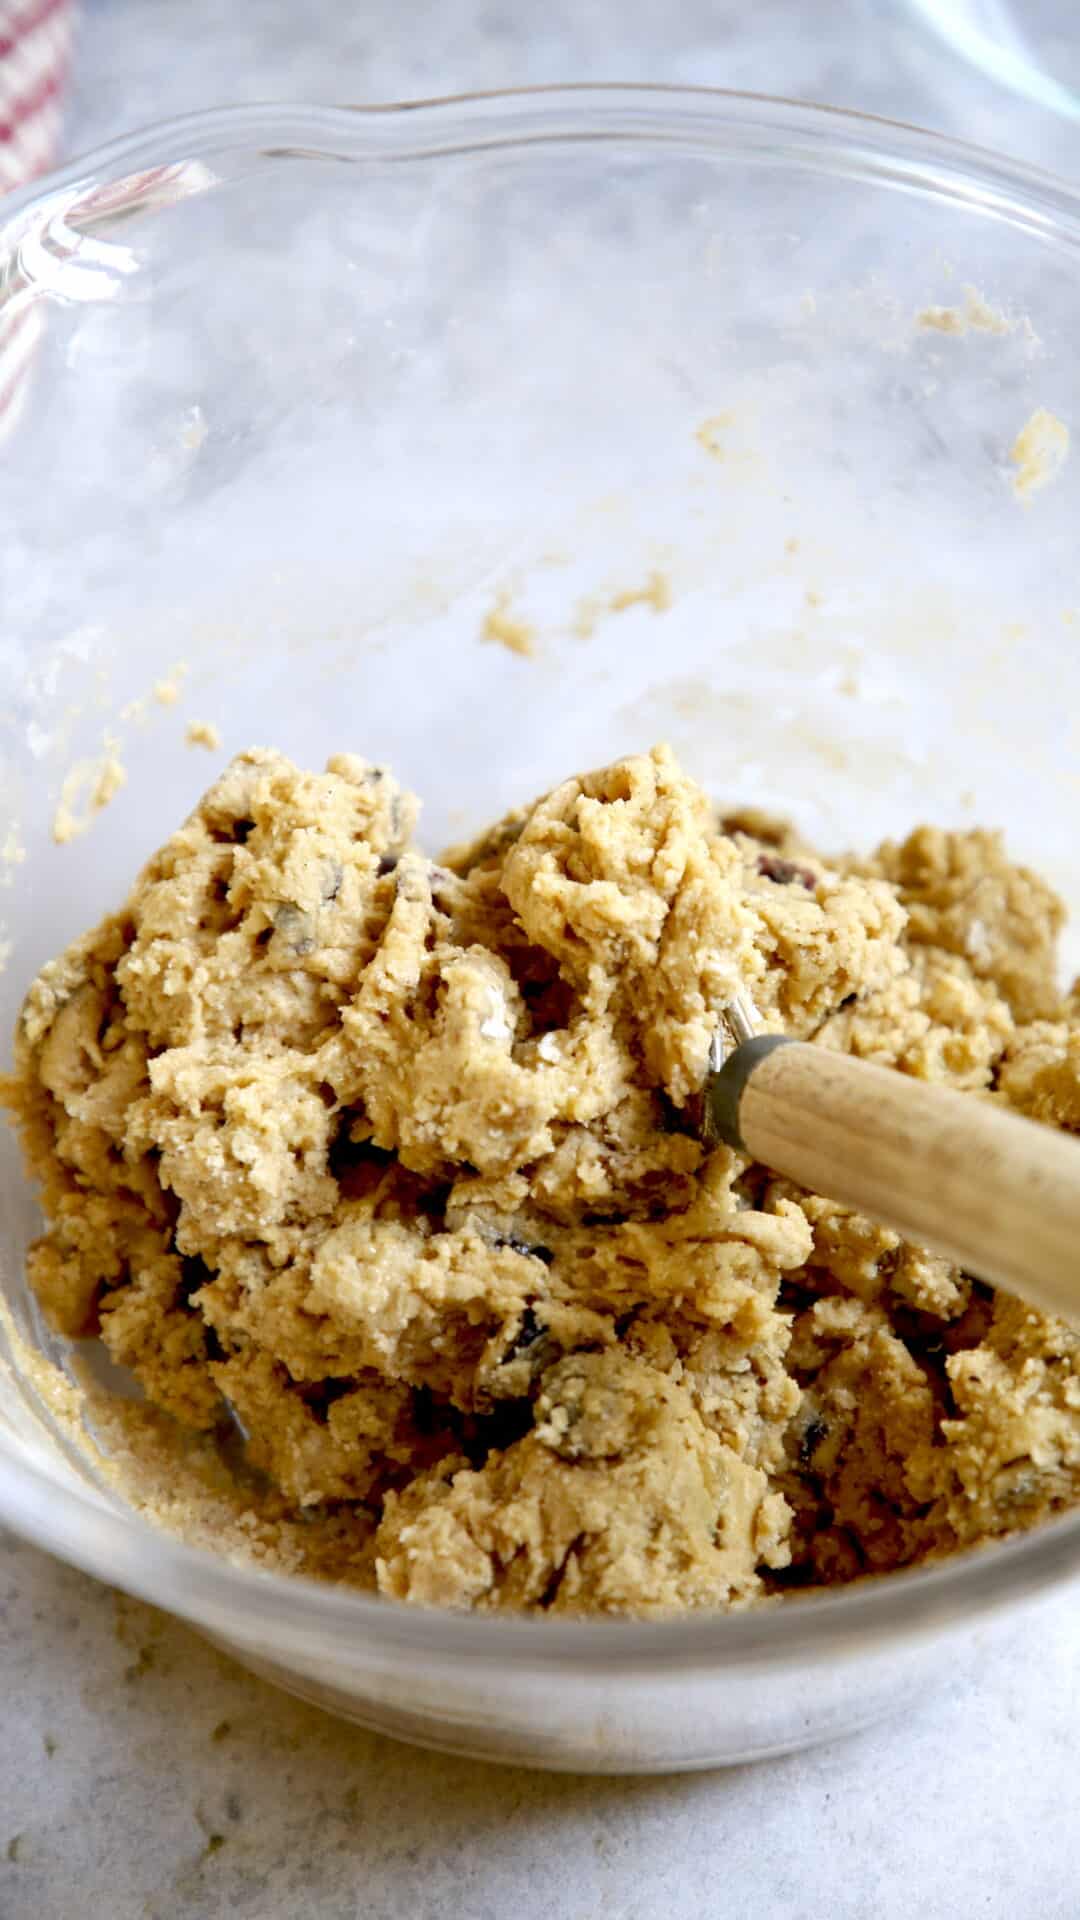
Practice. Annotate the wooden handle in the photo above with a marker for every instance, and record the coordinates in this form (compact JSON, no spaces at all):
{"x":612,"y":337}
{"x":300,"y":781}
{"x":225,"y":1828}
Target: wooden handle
{"x":997,"y":1194}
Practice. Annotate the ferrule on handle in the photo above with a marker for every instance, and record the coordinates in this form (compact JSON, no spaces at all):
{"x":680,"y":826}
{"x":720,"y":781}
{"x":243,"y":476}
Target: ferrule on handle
{"x":726,"y":1085}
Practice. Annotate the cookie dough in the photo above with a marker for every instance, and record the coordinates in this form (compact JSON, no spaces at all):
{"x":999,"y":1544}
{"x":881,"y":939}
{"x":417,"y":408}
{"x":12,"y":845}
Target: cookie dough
{"x":381,"y":1175}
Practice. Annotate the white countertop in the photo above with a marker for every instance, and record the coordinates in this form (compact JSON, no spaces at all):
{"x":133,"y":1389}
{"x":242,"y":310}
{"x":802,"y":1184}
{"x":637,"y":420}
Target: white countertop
{"x":142,"y":1775}
{"x":128,"y":1745}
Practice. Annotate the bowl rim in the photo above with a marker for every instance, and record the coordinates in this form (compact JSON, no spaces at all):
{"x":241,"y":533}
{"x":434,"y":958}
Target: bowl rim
{"x":841,"y":141}
{"x":296,"y":1616}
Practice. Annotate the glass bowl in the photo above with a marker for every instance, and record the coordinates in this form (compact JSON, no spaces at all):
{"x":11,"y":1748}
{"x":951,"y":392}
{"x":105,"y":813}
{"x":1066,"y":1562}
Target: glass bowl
{"x":717,"y":399}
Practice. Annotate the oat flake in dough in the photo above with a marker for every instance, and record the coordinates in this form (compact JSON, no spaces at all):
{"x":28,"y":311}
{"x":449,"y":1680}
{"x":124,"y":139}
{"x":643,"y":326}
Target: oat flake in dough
{"x":392,"y":1166}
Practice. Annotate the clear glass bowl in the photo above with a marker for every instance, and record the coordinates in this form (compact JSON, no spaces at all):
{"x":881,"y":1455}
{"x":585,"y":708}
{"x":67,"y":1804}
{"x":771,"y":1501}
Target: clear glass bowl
{"x":692,"y":385}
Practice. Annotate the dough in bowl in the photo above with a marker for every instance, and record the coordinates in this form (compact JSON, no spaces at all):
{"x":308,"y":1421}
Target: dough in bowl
{"x":381,"y":1175}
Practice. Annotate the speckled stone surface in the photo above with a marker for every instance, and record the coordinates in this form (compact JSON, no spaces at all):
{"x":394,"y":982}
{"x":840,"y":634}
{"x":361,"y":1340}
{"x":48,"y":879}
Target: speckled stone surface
{"x":144,"y":1777}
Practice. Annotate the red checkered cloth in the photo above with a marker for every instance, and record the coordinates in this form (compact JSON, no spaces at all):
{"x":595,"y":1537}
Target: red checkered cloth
{"x":35,"y":44}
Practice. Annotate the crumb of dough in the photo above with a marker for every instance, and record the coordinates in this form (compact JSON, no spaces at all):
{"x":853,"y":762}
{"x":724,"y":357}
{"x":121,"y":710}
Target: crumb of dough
{"x":381,"y":1176}
{"x":12,"y":855}
{"x":108,"y":780}
{"x":655,"y":592}
{"x":12,"y":851}
{"x":711,"y":434}
{"x":976,"y":314}
{"x":1038,"y":453}
{"x":942,"y":319}
{"x":169,"y":688}
{"x":589,"y":610}
{"x":94,"y":782}
{"x":982,"y":315}
{"x":500,"y":625}
{"x":203,"y":733}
